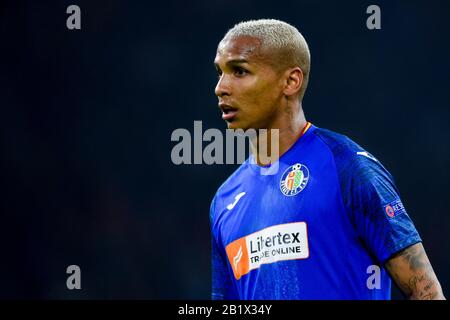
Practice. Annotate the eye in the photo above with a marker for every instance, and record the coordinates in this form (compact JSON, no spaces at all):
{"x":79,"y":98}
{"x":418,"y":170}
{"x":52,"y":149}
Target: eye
{"x":240,"y":72}
{"x":219,"y":72}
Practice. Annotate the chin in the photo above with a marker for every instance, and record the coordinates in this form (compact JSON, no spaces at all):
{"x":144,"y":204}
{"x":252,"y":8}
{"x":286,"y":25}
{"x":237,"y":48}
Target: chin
{"x":235,"y":125}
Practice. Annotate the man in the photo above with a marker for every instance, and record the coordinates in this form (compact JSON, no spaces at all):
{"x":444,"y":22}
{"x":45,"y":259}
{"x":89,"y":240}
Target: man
{"x":328,"y":223}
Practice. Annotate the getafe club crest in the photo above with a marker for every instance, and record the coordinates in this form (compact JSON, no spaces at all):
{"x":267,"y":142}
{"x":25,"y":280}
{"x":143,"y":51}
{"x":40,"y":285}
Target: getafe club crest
{"x":294,"y":179}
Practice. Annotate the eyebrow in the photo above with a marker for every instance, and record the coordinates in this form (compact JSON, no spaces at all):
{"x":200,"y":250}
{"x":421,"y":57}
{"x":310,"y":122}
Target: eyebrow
{"x":237,"y":61}
{"x":233,"y":62}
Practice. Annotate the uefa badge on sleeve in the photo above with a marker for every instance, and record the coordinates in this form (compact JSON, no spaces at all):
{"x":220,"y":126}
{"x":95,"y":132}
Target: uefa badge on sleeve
{"x":294,"y":179}
{"x":394,"y":208}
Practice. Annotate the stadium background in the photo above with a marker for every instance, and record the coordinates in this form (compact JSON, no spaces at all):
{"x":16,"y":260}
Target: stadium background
{"x":86,"y":119}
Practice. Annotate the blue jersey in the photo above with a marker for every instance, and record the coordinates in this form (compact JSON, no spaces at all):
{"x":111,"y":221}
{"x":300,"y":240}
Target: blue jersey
{"x":318,"y":224}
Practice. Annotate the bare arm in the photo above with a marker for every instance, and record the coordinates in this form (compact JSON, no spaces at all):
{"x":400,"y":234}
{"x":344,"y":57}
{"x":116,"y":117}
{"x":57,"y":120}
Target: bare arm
{"x":412,"y":272}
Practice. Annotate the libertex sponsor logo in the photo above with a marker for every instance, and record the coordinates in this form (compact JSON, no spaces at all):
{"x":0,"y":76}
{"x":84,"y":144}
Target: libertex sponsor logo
{"x":276,"y":243}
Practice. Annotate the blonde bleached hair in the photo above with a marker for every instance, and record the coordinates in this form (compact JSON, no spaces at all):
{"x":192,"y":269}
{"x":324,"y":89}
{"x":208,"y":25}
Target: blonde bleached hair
{"x":280,"y":38}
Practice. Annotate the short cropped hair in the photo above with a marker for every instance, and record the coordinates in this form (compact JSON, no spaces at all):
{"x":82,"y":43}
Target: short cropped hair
{"x":282,"y":38}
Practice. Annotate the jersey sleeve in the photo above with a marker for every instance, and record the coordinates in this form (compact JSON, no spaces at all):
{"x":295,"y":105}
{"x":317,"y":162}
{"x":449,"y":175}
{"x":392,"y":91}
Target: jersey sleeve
{"x":374,"y":206}
{"x":220,"y":280}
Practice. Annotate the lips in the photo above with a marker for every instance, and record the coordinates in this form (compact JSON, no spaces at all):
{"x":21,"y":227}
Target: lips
{"x":228,"y":112}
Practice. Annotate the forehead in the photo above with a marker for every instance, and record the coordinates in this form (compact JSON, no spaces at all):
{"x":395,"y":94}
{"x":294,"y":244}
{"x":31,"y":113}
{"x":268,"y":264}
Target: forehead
{"x":239,"y":48}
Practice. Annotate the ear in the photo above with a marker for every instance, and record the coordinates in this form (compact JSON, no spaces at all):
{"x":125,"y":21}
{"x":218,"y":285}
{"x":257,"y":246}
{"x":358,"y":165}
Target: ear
{"x":294,"y":81}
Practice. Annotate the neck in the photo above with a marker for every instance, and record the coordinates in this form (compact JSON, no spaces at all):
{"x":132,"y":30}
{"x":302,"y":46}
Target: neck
{"x":268,"y":148}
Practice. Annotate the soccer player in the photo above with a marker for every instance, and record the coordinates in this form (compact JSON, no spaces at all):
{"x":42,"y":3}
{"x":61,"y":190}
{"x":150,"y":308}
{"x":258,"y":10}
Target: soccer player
{"x":329,"y":222}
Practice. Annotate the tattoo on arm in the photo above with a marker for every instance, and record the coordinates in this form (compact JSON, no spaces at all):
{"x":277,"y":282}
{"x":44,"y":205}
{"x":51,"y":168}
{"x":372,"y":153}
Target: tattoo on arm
{"x":412,"y":272}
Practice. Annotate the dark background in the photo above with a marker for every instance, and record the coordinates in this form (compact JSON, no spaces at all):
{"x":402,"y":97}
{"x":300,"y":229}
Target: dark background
{"x":87,"y":116}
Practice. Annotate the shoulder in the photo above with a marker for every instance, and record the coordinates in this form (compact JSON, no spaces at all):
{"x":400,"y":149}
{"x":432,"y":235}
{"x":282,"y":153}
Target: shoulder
{"x":365,"y":184}
{"x":351,"y":160}
{"x":342,"y":147}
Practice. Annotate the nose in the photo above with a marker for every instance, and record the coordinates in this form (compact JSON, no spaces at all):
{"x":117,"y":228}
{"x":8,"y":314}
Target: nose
{"x":222,"y":87}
